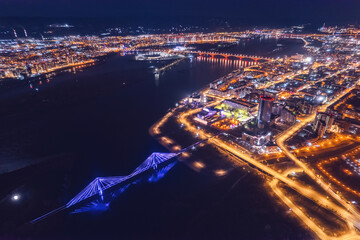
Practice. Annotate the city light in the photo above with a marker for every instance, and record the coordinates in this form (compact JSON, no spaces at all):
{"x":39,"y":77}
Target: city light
{"x":304,"y":105}
{"x":290,"y":119}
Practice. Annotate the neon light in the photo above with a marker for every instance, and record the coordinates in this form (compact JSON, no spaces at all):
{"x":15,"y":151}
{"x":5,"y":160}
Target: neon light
{"x":97,"y":186}
{"x":100,"y":184}
{"x":156,"y":176}
{"x":97,"y":205}
{"x":103,"y":205}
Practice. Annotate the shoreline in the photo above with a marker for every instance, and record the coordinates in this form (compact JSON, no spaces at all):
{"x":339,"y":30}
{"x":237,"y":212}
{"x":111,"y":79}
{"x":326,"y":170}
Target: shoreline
{"x":57,"y":70}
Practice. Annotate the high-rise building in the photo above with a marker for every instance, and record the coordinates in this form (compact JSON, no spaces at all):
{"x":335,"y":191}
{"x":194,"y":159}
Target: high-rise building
{"x":264,"y":112}
{"x":325,"y":119}
{"x":321,"y":128}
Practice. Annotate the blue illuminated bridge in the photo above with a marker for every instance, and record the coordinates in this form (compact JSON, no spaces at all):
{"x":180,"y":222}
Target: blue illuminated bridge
{"x":101,"y":184}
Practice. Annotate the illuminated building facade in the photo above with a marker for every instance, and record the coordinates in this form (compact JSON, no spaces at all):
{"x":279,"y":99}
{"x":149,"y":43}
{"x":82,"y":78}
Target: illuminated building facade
{"x":323,"y":123}
{"x":264,"y":112}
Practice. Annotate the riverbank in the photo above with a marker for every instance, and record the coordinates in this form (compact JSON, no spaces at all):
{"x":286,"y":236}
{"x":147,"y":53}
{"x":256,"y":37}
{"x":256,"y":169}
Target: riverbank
{"x":101,"y":118}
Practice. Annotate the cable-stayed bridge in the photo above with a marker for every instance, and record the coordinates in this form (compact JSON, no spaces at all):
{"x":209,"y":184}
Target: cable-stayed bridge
{"x":101,"y":184}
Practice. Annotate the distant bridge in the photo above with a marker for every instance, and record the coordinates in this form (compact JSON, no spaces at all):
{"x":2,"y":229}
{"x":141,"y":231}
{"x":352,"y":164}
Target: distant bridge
{"x":210,"y":54}
{"x":213,"y":54}
{"x":226,"y":55}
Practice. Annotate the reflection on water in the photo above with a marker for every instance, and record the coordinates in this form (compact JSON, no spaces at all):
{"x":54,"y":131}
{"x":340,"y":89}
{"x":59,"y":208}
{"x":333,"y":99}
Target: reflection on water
{"x":91,"y":120}
{"x":102,"y":204}
{"x":160,"y":173}
{"x":94,"y":206}
{"x":157,"y":77}
{"x":213,"y":62}
{"x":225,"y":62}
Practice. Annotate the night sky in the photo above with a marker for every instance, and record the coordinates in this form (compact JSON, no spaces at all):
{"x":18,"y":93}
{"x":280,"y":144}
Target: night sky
{"x":332,"y":11}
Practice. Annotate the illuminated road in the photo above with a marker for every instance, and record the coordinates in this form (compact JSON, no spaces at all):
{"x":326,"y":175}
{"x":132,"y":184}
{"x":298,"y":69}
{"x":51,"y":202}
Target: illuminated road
{"x":352,"y":217}
{"x":294,"y":129}
{"x":303,"y":217}
{"x":345,"y":211}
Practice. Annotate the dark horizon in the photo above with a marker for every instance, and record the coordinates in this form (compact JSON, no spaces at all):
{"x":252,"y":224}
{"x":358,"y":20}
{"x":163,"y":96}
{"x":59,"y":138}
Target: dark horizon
{"x":258,"y":12}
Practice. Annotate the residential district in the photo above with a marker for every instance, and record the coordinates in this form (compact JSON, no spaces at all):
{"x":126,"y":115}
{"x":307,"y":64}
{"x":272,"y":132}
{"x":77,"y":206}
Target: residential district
{"x":294,"y":121}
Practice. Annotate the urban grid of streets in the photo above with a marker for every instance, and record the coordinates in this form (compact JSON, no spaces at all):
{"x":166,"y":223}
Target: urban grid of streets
{"x":332,"y":64}
{"x":331,"y":200}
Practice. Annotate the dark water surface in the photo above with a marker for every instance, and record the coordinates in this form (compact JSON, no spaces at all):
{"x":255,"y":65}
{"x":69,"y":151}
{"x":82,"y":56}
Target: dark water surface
{"x":95,"y":123}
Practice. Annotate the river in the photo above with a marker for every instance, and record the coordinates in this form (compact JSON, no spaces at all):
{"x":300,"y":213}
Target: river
{"x":61,"y":133}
